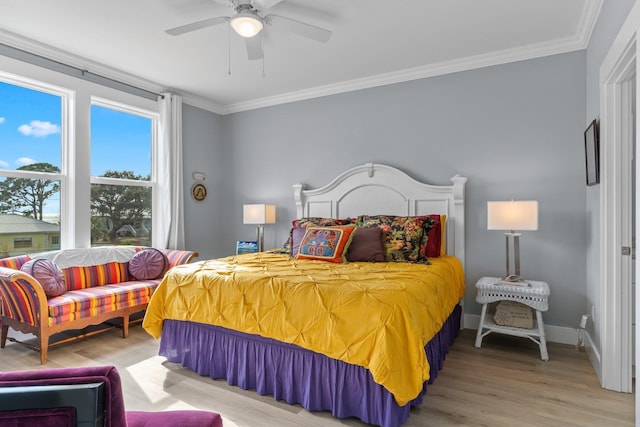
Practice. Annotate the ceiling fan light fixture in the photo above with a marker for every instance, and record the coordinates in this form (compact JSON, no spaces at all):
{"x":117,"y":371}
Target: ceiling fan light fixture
{"x":247,"y":24}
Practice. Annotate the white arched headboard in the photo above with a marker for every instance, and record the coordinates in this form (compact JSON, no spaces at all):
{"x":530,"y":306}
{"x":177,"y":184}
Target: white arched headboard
{"x":375,"y":189}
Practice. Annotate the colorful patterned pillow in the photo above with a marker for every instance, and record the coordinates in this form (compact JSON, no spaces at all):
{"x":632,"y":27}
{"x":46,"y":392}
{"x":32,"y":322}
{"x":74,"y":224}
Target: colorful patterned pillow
{"x":148,"y":264}
{"x":326,"y":243}
{"x":437,"y":238}
{"x":366,"y":245}
{"x":304,"y":222}
{"x":47,"y":274}
{"x":404,"y":237}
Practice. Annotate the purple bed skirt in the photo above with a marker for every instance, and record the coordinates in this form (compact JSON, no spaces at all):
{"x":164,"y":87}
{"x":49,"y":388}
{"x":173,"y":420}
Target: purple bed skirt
{"x":293,"y":374}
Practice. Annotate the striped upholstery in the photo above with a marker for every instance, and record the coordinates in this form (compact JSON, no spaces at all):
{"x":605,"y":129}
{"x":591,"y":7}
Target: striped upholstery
{"x":177,"y":257}
{"x":88,"y":302}
{"x":14,"y":262}
{"x":19,"y":300}
{"x":96,"y":275}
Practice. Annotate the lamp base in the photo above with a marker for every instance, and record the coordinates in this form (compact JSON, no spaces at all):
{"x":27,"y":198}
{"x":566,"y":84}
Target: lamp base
{"x":516,"y":255}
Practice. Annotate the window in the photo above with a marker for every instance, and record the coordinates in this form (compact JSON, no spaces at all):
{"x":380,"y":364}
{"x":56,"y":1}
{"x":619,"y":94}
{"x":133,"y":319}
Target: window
{"x":122,"y":141}
{"x":60,"y":140}
{"x":22,"y":242}
{"x":31,"y":179}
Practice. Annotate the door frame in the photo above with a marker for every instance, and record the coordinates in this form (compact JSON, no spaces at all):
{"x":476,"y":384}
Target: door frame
{"x":616,"y":140}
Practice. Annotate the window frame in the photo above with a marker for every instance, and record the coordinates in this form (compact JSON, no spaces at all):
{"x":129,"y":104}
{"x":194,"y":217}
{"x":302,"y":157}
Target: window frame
{"x":75,"y":180}
{"x":152,"y":182}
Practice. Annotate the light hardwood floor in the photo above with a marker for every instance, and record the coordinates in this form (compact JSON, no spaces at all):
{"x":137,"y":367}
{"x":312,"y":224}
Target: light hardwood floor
{"x":503,"y":384}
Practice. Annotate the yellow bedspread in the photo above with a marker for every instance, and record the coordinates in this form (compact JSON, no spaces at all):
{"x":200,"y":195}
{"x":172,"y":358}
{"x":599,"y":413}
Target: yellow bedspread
{"x":376,"y":315}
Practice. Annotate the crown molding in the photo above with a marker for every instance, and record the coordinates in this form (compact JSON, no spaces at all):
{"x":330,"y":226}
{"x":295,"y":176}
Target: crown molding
{"x":533,"y":51}
{"x":588,"y":20}
{"x":63,"y":57}
{"x":580,"y":41}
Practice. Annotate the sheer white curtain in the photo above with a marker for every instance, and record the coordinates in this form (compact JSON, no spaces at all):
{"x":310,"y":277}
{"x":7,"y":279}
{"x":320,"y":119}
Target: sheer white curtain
{"x":168,"y":231}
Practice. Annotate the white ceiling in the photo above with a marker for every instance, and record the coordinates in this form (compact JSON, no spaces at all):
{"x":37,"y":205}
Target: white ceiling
{"x":374,"y":42}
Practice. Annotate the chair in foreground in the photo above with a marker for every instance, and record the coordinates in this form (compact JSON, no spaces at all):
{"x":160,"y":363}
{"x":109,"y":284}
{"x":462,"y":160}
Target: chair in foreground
{"x":86,"y":396}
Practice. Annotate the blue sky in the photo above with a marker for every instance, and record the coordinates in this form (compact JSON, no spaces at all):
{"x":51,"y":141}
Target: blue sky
{"x":30,"y":125}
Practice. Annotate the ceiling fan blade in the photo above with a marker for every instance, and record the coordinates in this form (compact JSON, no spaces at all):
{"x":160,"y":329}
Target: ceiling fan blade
{"x":254,"y":47}
{"x":264,"y":4}
{"x":197,"y":25}
{"x":302,"y":29}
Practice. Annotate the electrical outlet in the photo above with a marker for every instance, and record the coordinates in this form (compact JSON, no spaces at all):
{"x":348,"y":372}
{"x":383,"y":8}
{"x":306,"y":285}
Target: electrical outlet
{"x":593,"y":313}
{"x":584,"y":320}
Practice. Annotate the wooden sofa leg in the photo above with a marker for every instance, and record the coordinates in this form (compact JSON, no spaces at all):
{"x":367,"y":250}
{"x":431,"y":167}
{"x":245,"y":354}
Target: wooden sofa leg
{"x":3,"y":338}
{"x":44,"y":348}
{"x":125,"y":326}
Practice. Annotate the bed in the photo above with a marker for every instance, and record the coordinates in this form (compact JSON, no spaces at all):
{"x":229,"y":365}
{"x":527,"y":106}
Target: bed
{"x":326,"y":335}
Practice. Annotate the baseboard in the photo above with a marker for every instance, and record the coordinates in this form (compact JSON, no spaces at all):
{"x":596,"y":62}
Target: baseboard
{"x":559,"y":334}
{"x":594,"y":355}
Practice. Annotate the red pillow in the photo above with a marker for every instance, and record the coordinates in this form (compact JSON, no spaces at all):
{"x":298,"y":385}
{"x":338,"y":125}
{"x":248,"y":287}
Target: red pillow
{"x":436,"y":239}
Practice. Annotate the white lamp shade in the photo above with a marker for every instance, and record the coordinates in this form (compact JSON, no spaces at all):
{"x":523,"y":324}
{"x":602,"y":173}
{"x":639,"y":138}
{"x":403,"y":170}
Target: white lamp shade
{"x":247,"y":24}
{"x":259,"y":214}
{"x":512,"y":215}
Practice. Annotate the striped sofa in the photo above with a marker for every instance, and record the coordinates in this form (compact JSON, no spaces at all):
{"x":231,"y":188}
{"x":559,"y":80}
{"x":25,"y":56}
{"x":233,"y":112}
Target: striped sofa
{"x":98,"y":288}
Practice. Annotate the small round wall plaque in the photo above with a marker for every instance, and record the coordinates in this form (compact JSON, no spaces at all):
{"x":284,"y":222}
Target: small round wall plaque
{"x":198,"y":192}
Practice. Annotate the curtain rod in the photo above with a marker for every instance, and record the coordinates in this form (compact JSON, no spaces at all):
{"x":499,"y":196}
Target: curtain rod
{"x":32,"y":58}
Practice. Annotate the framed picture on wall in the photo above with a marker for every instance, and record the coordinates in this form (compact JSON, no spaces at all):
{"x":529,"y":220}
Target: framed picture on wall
{"x":246,"y":246}
{"x":592,"y":153}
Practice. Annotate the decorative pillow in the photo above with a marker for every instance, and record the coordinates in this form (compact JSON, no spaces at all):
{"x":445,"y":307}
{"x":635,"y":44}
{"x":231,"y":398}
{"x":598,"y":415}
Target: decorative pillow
{"x":366,"y":245}
{"x":326,"y":243}
{"x":148,"y":264}
{"x":48,"y":274}
{"x":403,"y":236}
{"x":437,"y":239}
{"x":304,"y":222}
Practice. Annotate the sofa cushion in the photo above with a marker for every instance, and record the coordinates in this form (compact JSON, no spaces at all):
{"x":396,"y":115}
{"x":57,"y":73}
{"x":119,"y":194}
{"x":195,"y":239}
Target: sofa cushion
{"x":89,"y":302}
{"x":148,"y":264}
{"x":14,"y":262}
{"x":47,"y":274}
{"x":96,"y":275}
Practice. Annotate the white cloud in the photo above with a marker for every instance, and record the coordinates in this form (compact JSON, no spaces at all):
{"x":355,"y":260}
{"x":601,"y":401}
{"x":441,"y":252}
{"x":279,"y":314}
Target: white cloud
{"x":24,"y":161}
{"x":3,"y":164}
{"x":39,"y":129}
{"x":2,"y":119}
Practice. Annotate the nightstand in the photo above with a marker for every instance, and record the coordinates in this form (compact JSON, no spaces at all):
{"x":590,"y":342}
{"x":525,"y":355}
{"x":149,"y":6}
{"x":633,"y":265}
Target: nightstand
{"x":536,"y":296}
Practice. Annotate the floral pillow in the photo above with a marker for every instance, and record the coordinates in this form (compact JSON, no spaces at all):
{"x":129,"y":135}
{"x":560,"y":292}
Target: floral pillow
{"x":326,"y":243}
{"x":404,"y":238}
{"x":304,"y":222}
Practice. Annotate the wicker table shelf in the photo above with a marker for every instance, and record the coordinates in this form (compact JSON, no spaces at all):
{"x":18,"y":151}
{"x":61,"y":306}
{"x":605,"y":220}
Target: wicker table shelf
{"x":536,"y":296}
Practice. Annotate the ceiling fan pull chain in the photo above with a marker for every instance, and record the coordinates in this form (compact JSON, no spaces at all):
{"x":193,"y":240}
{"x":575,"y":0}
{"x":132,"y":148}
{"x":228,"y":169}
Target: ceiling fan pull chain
{"x":229,"y":49}
{"x":263,"y":55}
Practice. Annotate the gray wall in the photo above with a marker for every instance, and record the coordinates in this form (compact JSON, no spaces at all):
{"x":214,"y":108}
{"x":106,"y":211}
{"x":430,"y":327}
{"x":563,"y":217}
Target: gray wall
{"x":202,"y":141}
{"x":612,"y":16}
{"x":514,"y":130}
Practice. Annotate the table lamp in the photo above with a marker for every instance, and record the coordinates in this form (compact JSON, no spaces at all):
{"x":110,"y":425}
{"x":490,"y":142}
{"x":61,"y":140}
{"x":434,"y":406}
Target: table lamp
{"x":259,"y":214}
{"x":512,"y":215}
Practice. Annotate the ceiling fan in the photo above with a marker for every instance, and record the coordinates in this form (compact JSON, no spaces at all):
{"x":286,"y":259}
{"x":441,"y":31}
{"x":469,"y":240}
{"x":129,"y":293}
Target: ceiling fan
{"x":249,"y":23}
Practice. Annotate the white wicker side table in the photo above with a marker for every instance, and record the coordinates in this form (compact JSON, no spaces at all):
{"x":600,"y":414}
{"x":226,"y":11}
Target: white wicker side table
{"x":535,"y":296}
